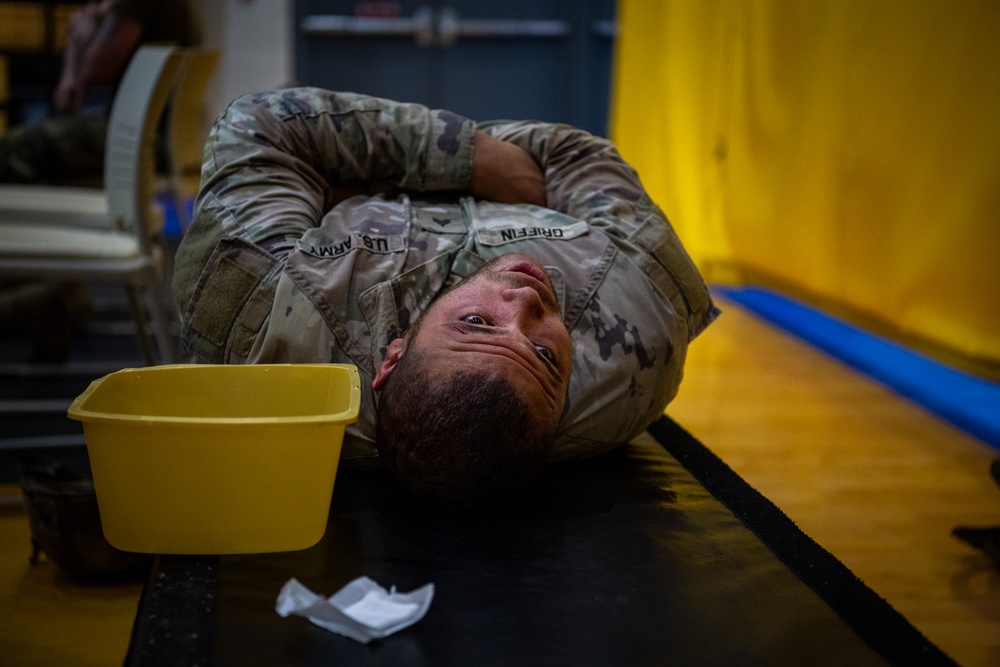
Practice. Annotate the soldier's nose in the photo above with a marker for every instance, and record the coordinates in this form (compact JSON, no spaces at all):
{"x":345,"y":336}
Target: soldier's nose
{"x":527,"y":301}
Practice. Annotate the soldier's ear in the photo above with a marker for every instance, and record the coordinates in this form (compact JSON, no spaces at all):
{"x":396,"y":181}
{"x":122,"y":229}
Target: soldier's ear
{"x":392,"y":356}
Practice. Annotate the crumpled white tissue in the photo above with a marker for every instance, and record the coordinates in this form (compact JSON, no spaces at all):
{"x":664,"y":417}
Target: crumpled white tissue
{"x":361,"y":610}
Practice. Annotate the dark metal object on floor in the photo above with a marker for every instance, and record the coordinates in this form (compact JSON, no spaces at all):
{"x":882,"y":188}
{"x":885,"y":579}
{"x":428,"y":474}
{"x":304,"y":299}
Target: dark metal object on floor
{"x":986,"y":540}
{"x":66,"y":527}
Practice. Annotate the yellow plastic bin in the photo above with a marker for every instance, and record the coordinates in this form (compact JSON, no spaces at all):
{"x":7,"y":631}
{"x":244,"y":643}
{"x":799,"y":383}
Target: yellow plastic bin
{"x":214,"y":459}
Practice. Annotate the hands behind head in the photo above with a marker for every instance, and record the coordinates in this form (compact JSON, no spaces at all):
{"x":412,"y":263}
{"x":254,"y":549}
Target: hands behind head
{"x":505,"y":173}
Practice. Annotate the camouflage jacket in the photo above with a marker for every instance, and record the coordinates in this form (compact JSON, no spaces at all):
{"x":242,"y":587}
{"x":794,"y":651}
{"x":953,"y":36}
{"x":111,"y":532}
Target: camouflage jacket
{"x":273,"y":270}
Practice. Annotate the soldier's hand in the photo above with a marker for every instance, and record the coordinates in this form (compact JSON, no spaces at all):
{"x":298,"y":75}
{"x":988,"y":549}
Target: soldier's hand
{"x":505,"y":173}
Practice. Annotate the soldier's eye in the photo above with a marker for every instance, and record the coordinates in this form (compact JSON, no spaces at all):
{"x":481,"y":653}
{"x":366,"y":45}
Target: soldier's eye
{"x":473,"y":319}
{"x":547,"y":353}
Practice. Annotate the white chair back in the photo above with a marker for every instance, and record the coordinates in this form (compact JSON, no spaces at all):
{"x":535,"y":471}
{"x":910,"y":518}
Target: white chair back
{"x":129,"y":163}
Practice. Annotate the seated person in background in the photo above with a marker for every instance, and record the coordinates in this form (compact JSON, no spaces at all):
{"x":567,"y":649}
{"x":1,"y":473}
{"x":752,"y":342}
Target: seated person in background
{"x":509,"y":293}
{"x":68,"y":148}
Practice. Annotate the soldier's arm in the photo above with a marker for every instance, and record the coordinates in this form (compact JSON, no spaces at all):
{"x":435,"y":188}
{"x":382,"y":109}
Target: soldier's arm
{"x":276,"y":161}
{"x":585,"y":176}
{"x":505,"y":173}
{"x":587,"y":179}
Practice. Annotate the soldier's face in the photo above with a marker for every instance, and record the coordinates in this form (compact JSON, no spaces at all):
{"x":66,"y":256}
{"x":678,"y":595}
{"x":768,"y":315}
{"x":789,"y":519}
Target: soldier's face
{"x":505,"y":317}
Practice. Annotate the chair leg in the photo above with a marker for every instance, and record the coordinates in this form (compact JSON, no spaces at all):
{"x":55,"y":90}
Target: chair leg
{"x":161,"y":321}
{"x":142,"y":324}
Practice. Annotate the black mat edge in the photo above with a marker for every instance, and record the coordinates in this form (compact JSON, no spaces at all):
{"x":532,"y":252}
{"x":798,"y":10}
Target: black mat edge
{"x":870,"y":616}
{"x":175,"y":618}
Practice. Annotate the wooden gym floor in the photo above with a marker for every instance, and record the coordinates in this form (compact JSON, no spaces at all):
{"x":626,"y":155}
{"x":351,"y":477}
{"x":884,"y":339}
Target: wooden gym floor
{"x":874,"y":479}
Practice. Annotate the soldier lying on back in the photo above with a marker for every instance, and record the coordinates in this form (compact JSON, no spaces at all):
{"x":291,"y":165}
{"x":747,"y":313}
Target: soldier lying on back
{"x":509,"y":291}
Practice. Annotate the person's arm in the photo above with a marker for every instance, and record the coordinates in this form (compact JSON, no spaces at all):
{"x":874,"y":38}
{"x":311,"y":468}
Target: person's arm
{"x":585,"y":176}
{"x":99,"y":44}
{"x":277,"y":161}
{"x":587,"y":179}
{"x":505,"y":173}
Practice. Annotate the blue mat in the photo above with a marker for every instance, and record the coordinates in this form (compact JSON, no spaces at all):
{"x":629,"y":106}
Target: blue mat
{"x":969,"y":402}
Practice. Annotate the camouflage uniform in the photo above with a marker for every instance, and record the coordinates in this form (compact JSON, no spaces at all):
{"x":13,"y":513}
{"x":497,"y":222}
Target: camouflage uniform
{"x":269,"y":272}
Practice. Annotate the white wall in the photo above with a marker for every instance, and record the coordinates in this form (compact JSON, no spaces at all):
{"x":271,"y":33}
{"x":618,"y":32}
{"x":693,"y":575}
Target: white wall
{"x":255,"y":39}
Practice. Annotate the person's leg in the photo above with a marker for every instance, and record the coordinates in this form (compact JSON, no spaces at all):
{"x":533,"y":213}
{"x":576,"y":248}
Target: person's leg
{"x":56,"y":151}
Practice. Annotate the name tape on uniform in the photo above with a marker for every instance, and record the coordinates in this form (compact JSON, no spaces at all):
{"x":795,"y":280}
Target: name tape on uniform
{"x":512,"y":234}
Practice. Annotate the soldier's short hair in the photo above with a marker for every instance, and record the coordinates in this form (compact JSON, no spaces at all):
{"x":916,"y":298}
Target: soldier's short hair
{"x":463,"y":441}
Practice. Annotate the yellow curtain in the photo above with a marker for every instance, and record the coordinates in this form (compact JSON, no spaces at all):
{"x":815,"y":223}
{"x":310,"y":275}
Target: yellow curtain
{"x":848,"y":152}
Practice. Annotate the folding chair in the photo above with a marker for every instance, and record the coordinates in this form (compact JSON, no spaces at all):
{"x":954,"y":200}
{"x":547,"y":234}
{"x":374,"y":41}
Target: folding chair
{"x":128,"y":249}
{"x":88,"y":207}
